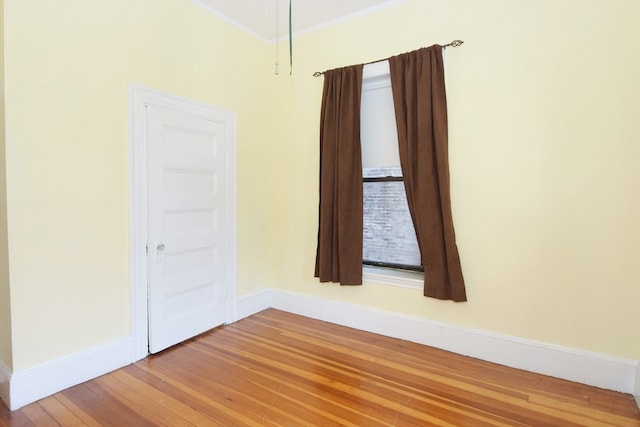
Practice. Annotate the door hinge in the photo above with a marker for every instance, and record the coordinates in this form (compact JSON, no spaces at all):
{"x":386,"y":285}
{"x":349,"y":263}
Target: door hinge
{"x":146,"y":249}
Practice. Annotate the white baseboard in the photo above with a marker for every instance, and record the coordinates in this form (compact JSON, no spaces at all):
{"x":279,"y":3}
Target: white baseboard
{"x":637,"y":389}
{"x":251,"y":304}
{"x":600,"y":370}
{"x":40,"y":381}
{"x":5,"y":377}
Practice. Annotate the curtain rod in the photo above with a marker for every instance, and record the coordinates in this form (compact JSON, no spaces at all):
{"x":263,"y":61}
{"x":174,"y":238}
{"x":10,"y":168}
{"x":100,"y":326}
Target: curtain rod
{"x":454,"y":43}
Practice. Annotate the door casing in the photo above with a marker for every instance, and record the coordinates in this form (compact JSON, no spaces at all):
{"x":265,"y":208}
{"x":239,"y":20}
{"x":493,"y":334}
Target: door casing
{"x":140,"y":96}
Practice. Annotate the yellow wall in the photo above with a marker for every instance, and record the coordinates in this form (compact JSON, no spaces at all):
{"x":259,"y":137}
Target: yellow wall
{"x":543,"y":101}
{"x":5,"y":301}
{"x":69,"y":64}
{"x":544,"y":107}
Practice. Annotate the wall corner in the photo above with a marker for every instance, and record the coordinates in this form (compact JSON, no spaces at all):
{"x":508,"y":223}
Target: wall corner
{"x":5,"y":378}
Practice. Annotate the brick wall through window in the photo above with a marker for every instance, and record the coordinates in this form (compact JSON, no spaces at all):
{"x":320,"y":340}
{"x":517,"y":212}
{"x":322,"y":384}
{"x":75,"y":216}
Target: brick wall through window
{"x":389,"y":235}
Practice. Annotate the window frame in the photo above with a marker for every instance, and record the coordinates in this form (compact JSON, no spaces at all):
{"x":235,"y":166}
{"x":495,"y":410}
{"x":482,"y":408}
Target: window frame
{"x":383,"y":264}
{"x":381,"y":272}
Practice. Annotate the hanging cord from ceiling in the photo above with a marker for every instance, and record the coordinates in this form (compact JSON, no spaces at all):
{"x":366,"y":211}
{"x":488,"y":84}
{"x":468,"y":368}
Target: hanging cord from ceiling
{"x":454,"y":43}
{"x":277,"y":65}
{"x":290,"y":42}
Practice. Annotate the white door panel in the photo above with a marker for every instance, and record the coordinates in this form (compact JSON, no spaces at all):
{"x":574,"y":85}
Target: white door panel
{"x":188,"y":232}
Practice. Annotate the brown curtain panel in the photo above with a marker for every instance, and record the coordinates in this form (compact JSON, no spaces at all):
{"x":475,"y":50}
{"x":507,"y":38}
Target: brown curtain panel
{"x":339,"y":253}
{"x":417,"y":82}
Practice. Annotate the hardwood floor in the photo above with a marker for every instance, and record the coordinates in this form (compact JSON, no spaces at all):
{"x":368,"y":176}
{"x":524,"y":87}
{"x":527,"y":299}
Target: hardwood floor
{"x":279,"y":369}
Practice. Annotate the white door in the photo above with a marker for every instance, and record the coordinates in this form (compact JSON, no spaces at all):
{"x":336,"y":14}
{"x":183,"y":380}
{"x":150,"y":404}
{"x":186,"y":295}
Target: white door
{"x":188,"y":224}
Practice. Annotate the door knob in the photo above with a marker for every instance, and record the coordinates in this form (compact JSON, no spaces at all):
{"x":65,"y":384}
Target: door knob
{"x":160,"y":247}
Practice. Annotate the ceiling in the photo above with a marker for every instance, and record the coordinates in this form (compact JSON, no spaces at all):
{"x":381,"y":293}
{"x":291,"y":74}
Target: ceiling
{"x":262,"y":17}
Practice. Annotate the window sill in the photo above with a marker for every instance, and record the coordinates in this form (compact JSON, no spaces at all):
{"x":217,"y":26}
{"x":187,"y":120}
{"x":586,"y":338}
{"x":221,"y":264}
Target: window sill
{"x":386,"y":276}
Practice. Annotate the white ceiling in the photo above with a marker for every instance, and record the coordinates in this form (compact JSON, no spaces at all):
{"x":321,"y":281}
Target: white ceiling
{"x":259,"y":17}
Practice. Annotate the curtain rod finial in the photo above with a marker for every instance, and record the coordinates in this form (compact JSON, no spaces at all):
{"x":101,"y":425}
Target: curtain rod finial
{"x":454,"y":43}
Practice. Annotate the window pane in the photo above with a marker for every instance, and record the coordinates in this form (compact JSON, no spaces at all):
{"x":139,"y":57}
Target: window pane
{"x":378,"y":132}
{"x":388,"y":230}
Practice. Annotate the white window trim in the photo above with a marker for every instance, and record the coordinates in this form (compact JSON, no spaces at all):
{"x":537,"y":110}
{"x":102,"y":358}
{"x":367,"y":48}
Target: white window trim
{"x":387,"y":276}
{"x":377,"y":75}
{"x":377,"y":69}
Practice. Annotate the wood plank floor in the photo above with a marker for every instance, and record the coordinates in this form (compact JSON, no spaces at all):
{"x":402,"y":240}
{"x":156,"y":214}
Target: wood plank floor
{"x":279,"y":369}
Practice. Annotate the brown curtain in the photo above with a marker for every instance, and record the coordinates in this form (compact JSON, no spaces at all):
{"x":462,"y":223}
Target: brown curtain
{"x":339,"y":253}
{"x":417,"y":82}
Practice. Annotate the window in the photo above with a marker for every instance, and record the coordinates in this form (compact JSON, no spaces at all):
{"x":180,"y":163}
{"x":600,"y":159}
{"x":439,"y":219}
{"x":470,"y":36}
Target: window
{"x":418,"y":79}
{"x":389,"y":237}
{"x":390,"y":248}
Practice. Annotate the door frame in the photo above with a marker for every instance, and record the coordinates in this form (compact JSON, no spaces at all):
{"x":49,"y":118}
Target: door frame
{"x":139,"y":96}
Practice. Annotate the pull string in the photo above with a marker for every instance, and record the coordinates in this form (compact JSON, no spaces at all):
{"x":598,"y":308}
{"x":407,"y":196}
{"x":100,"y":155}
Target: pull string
{"x":290,"y":42}
{"x":454,"y":43}
{"x":277,"y":66}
